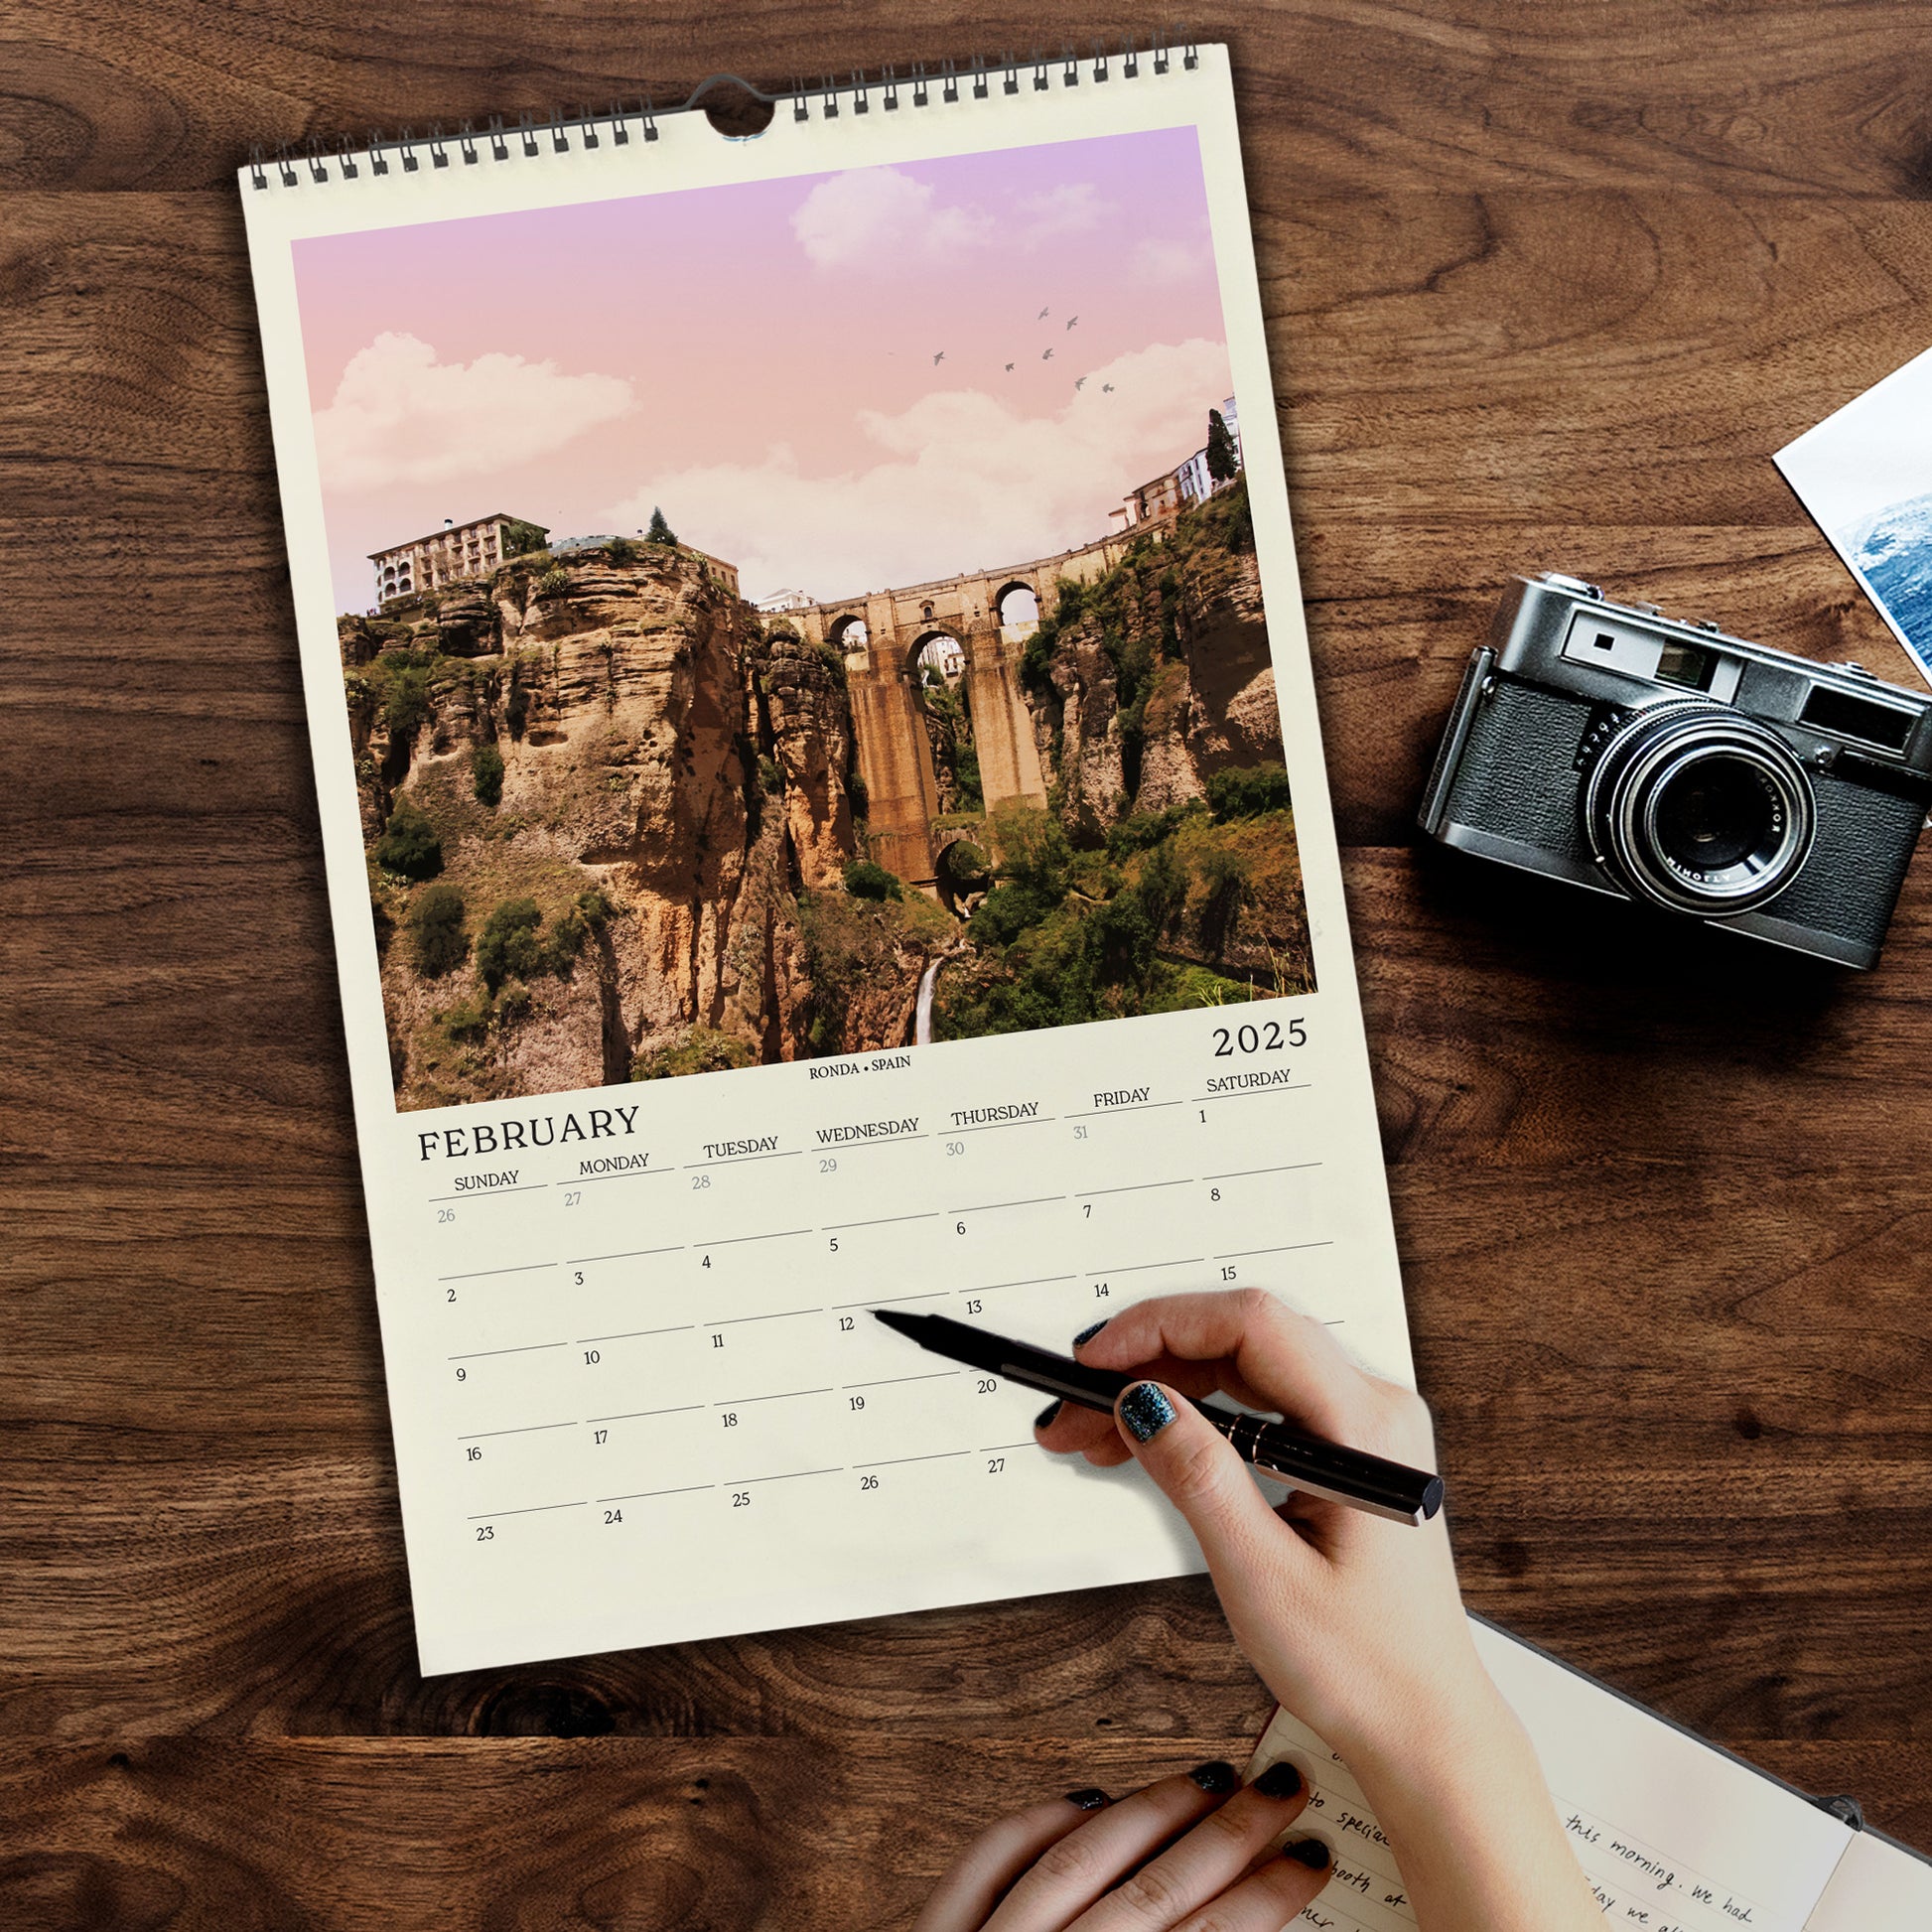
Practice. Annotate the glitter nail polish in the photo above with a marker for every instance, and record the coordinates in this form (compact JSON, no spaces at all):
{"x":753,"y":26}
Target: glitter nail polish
{"x":1087,"y":1334}
{"x":1145,"y":1411}
{"x":1215,"y":1776}
{"x":1089,"y":1797}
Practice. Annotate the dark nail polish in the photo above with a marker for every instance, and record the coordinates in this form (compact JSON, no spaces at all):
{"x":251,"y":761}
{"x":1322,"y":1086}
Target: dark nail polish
{"x":1309,"y":1852}
{"x":1089,"y":1797}
{"x":1047,"y":1415}
{"x":1279,"y":1780}
{"x":1145,"y":1411}
{"x":1087,"y":1334}
{"x":1215,"y":1776}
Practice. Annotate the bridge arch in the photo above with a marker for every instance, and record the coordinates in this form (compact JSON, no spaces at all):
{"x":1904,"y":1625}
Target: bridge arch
{"x":849,"y":632}
{"x":941,"y":646}
{"x":1017,"y":602}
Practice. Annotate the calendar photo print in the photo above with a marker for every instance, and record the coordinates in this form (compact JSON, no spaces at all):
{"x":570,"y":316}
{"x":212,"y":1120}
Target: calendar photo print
{"x":818,"y":611}
{"x":866,"y":646}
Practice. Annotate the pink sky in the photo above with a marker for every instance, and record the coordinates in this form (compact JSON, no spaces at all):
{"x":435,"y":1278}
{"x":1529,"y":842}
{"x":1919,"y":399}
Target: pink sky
{"x":758,"y":359}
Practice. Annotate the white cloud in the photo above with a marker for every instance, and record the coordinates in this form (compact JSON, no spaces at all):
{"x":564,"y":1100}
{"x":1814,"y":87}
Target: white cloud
{"x":399,"y":416}
{"x":963,"y":483}
{"x":1070,"y":207}
{"x":1158,"y":262}
{"x":878,"y":217}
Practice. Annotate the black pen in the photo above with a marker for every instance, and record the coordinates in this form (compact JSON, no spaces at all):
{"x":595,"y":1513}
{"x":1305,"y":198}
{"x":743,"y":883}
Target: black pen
{"x":1304,"y":1462}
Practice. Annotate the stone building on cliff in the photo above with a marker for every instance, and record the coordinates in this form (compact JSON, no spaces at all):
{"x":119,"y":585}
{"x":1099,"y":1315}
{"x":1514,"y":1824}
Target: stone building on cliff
{"x":455,"y":552}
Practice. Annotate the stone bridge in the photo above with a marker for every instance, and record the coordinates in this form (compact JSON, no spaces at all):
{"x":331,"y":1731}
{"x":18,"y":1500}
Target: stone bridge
{"x":882,"y":635}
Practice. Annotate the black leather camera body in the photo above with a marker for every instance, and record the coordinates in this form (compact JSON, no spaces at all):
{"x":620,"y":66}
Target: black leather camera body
{"x":1670,"y":763}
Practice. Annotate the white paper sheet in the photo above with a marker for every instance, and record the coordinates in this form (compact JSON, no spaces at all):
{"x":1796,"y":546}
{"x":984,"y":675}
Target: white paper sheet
{"x":634,"y":1390}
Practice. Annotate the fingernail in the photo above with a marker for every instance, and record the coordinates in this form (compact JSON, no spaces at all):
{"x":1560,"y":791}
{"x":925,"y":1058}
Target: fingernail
{"x":1309,"y":1852}
{"x":1145,"y":1411}
{"x":1089,"y":1797}
{"x":1216,"y":1775}
{"x":1048,"y":1414}
{"x":1279,"y":1780}
{"x":1087,"y":1334}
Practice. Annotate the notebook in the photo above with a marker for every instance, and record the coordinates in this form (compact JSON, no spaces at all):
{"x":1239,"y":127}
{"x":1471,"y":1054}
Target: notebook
{"x":823,"y":808}
{"x":1674,"y":1833}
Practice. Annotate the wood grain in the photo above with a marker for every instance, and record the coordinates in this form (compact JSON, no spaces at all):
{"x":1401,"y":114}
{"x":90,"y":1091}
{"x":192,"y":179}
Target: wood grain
{"x":1545,"y":287}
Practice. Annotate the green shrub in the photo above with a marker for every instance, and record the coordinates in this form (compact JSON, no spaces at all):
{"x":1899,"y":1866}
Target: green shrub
{"x":509,"y":942}
{"x":703,"y":1049}
{"x":1226,"y":877}
{"x":554,"y":582}
{"x":409,"y":844}
{"x":487,"y":773}
{"x":864,"y":879}
{"x":771,"y":777}
{"x":436,"y":934}
{"x":1248,"y":790}
{"x":621,"y":550}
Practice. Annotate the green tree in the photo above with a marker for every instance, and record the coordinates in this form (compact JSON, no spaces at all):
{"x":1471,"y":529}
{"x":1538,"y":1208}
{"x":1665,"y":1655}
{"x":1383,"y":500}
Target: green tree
{"x":659,"y":531}
{"x":409,"y":844}
{"x":864,"y":879}
{"x":1221,"y":459}
{"x":1244,"y":791}
{"x":509,"y":942}
{"x":1162,"y":889}
{"x":1226,"y":877}
{"x":436,"y":934}
{"x":487,"y":773}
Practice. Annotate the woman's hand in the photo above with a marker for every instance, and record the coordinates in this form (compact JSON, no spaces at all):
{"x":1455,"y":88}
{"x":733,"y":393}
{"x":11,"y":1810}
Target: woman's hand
{"x":1154,"y":1861}
{"x":1355,"y":1623}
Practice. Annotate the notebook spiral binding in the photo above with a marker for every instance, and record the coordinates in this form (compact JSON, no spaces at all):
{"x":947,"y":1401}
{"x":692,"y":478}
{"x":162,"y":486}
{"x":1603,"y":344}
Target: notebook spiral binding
{"x":319,"y":160}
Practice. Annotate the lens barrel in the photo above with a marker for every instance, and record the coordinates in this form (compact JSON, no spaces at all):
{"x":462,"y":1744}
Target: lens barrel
{"x":1697,"y":809}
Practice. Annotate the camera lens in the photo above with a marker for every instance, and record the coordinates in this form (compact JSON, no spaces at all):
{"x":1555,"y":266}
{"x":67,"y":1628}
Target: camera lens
{"x":1697,"y":808}
{"x":1712,"y":815}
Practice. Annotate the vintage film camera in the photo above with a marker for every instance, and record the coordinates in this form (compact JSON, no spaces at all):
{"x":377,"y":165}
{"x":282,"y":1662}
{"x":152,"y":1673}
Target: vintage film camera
{"x":1670,"y":763}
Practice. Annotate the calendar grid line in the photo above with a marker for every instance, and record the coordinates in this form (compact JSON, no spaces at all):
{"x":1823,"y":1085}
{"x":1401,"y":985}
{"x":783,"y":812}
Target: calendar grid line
{"x":783,"y":1395}
{"x":1287,"y":1247}
{"x":887,"y":1300}
{"x":633,"y":1173}
{"x":894,"y":1461}
{"x":528,"y":1348}
{"x":632,"y":1334}
{"x":1248,"y":1093}
{"x":883,"y":1221}
{"x":1244,"y":1174}
{"x":490,"y":1193}
{"x":477,"y":1274}
{"x":888,"y":1381}
{"x":535,"y":1510}
{"x":630,"y":1254}
{"x":531,"y":1428}
{"x":637,"y":1415}
{"x":1140,"y":1186}
{"x":1142,"y":1107}
{"x":994,"y":1288}
{"x":1143,"y":1267}
{"x":643,"y":1495}
{"x":744,"y":1159}
{"x":994,"y":1207}
{"x":790,"y":1475}
{"x":781,"y":1314}
{"x":994,"y":1127}
{"x":737,"y":1240}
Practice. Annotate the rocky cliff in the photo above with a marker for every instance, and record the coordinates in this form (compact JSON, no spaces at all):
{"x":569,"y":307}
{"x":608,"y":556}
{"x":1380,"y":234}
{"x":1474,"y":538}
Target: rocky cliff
{"x":1146,"y":683}
{"x":607,"y":789}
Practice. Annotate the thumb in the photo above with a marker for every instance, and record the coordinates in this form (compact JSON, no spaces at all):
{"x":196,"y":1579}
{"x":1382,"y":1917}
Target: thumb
{"x":1199,"y":1471}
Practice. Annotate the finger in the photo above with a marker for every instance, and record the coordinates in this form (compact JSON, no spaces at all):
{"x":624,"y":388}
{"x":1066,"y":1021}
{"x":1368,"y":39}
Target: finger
{"x":977,"y":1879}
{"x":1272,"y":1896}
{"x":1199,"y":1472}
{"x":1206,"y":1862}
{"x":1290,"y":1364}
{"x":1077,"y":1868}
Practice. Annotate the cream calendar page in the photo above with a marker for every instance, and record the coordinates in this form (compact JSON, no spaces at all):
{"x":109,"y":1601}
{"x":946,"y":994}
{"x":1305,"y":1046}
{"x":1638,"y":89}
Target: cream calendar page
{"x":824,"y":810}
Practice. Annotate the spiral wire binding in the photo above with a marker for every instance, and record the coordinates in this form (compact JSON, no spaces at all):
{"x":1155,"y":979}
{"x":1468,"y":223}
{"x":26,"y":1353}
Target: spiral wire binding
{"x":286,"y":163}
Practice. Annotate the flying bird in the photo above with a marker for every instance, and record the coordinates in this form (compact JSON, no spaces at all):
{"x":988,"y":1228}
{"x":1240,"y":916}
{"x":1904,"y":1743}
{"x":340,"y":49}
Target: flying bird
{"x":1106,"y":388}
{"x":1079,"y":383}
{"x":1047,"y":355}
{"x":1041,"y":316}
{"x":1009,"y":368}
{"x":940,"y":357}
{"x":1071,"y":321}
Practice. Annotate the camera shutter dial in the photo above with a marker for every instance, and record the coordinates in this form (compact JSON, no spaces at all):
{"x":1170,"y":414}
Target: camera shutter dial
{"x":1697,"y":809}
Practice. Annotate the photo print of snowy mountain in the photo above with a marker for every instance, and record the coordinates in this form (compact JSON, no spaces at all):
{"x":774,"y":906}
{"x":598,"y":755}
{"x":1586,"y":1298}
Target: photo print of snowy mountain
{"x":861,"y":647}
{"x":1866,"y":475}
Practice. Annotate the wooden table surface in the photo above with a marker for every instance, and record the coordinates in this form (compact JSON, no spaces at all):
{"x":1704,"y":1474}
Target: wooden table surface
{"x":1546,"y":287}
